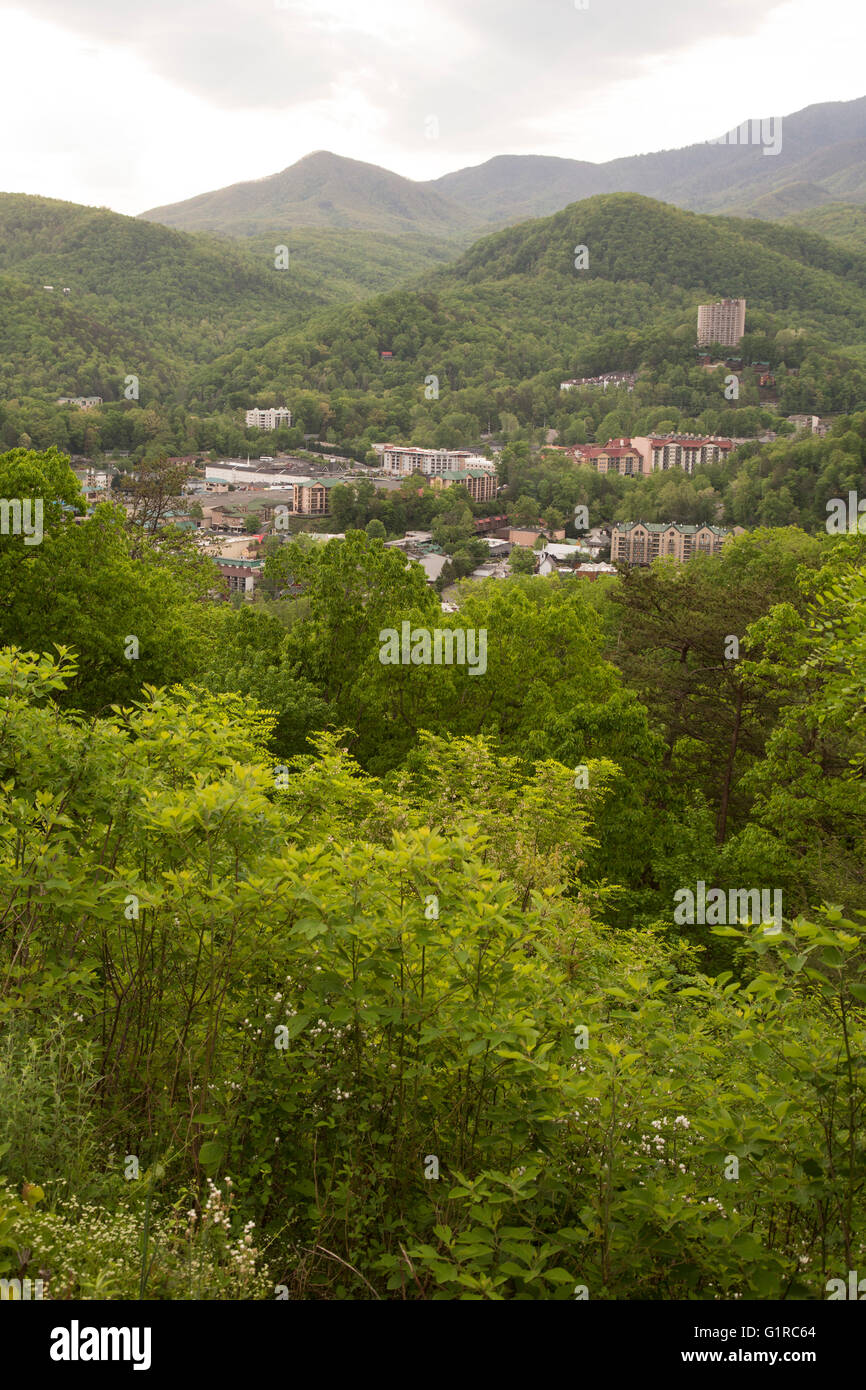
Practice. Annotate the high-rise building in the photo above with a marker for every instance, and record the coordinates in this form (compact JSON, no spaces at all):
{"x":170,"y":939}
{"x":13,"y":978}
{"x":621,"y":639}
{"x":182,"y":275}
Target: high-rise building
{"x":724,"y":322}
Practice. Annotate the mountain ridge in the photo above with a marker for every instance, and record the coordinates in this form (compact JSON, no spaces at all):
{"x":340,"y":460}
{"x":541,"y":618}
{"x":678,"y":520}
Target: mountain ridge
{"x":822,"y":148}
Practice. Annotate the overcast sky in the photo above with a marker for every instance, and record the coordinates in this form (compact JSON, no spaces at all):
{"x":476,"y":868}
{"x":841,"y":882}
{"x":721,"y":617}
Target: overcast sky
{"x":132,"y":105}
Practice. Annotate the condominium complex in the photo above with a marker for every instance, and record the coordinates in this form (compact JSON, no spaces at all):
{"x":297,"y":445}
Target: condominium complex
{"x":404,"y":460}
{"x":575,"y":383}
{"x":684,"y":451}
{"x":241,"y":575}
{"x":478,"y":482}
{"x":641,"y":542}
{"x":616,"y":456}
{"x":312,"y":496}
{"x":646,"y":454}
{"x":724,"y":322}
{"x":271,"y":419}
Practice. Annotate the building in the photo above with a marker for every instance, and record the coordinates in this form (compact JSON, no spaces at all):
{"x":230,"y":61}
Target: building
{"x":404,"y":460}
{"x":492,"y":569}
{"x":312,"y":496}
{"x":432,"y":565}
{"x":230,"y":513}
{"x":813,"y":423}
{"x":484,"y":525}
{"x":723,"y":322}
{"x":593,"y":571}
{"x":280,"y":473}
{"x":688,"y":452}
{"x":577,"y":383}
{"x":617,"y":456}
{"x":83,"y":402}
{"x":641,"y":542}
{"x":652,"y":454}
{"x":300,"y":497}
{"x":271,"y":419}
{"x":526,"y":537}
{"x":241,"y":576}
{"x":480,"y":484}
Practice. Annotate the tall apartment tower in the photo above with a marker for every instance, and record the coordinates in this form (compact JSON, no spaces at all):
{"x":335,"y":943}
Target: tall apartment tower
{"x":723,"y":323}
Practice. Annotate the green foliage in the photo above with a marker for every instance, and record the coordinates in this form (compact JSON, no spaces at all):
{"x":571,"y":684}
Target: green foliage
{"x":322,"y":1014}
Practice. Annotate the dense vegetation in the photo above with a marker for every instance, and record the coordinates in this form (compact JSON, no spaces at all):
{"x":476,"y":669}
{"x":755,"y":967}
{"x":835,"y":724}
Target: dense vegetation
{"x":479,"y":346}
{"x":789,"y":481}
{"x":156,"y":303}
{"x":326,"y":978}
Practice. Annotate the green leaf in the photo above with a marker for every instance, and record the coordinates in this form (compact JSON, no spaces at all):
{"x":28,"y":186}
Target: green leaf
{"x":211,"y":1154}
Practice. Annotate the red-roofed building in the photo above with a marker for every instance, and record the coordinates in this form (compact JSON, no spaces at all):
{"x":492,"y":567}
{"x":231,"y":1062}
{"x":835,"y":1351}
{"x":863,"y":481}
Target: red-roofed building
{"x":654,"y":453}
{"x":688,"y":452}
{"x":617,"y":456}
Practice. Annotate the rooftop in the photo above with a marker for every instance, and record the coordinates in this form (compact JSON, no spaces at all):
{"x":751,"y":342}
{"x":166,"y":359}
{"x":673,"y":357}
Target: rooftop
{"x":685,"y":529}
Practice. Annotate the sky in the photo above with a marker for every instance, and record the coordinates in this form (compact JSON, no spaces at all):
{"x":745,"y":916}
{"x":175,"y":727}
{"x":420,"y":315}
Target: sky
{"x":135,"y":105}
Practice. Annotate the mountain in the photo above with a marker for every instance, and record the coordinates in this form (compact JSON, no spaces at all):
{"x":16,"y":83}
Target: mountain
{"x":143,"y":299}
{"x":823,"y":146}
{"x":841,"y":222}
{"x":210,"y":325}
{"x":157,"y":302}
{"x":321,"y":190}
{"x":513,"y":307}
{"x":821,"y":157}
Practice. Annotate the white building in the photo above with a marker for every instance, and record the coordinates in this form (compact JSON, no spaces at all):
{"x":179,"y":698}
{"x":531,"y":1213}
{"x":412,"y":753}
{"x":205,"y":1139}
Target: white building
{"x":403,"y":460}
{"x":241,"y":474}
{"x":271,"y":419}
{"x":83,"y":402}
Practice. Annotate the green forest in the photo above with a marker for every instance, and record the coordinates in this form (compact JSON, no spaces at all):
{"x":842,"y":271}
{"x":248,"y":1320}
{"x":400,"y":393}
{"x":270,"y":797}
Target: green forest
{"x":331,"y":979}
{"x":209,"y":326}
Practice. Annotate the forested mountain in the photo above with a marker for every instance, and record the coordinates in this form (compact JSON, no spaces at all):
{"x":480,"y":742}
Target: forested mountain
{"x":156,"y":302}
{"x":142,"y":299}
{"x":822,"y":147}
{"x":842,"y":222}
{"x":514,"y":306}
{"x":821,"y":157}
{"x":321,"y":190}
{"x":210,"y":327}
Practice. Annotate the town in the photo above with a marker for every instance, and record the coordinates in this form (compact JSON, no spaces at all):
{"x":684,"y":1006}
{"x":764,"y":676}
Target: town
{"x":432,"y":675}
{"x":235,"y":507}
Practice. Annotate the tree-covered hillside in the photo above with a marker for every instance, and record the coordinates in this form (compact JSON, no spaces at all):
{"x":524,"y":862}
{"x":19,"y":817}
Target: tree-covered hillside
{"x":842,"y":222}
{"x":515,"y":315}
{"x":158,"y":302}
{"x":327,"y":977}
{"x":321,"y":190}
{"x":477,"y":346}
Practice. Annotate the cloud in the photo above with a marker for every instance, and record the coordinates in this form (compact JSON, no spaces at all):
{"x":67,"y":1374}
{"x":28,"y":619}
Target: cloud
{"x":484,"y":69}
